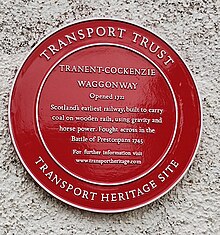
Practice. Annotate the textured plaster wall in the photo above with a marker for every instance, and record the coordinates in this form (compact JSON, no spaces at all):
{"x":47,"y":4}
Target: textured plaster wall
{"x":193,"y":206}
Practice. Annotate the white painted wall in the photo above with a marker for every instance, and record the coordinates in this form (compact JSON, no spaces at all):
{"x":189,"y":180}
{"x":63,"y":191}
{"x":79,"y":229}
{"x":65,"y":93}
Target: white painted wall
{"x":193,"y":206}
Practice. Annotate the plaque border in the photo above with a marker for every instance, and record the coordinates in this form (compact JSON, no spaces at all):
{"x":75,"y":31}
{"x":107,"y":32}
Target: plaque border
{"x":132,"y":22}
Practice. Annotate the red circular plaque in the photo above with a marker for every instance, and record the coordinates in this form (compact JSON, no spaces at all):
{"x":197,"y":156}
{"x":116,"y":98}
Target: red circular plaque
{"x":105,"y":115}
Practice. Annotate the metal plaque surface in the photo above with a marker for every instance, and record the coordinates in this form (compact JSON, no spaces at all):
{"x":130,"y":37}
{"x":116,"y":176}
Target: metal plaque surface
{"x":105,"y":115}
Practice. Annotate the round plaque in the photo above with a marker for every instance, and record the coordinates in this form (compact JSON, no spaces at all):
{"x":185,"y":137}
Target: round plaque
{"x":105,"y":115}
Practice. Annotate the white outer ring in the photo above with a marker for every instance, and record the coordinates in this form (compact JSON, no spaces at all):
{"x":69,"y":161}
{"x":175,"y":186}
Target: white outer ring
{"x":63,"y":200}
